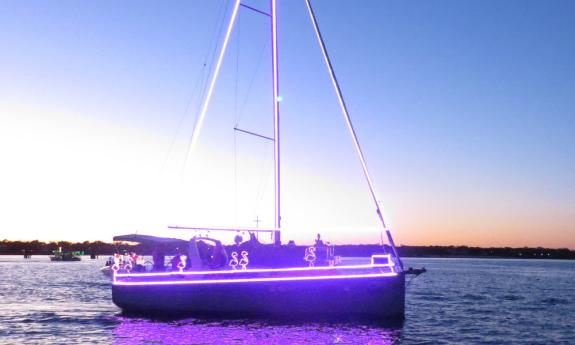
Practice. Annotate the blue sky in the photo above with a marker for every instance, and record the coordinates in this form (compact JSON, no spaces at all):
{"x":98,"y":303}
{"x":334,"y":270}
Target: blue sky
{"x":465,"y":110}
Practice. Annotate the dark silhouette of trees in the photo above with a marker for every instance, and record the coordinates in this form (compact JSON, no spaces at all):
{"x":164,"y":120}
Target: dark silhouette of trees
{"x":103,"y":248}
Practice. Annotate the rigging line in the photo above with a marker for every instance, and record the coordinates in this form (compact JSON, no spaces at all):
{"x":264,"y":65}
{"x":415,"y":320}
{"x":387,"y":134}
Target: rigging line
{"x":264,"y":180}
{"x":181,"y":121}
{"x":255,"y":10}
{"x":248,"y":92}
{"x":208,"y":57}
{"x":350,"y":125}
{"x":201,"y":116}
{"x":202,"y":96}
{"x":253,"y":133}
{"x":241,"y":112}
{"x":201,"y":76}
{"x":238,"y":37}
{"x":218,"y":30}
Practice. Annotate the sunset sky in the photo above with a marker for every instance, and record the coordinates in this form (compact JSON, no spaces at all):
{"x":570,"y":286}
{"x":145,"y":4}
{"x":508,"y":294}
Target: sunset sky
{"x":465,"y":111}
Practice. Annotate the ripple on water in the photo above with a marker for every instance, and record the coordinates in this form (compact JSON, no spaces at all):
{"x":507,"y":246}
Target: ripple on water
{"x":512,"y":297}
{"x":473,"y":297}
{"x":555,"y":301}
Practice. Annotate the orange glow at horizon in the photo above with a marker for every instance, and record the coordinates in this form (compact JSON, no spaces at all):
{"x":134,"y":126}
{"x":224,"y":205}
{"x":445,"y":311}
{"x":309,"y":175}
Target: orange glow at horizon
{"x":75,"y":179}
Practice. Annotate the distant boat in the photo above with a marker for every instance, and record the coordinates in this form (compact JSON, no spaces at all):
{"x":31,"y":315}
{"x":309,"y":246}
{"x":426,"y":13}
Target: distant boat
{"x":264,"y":280}
{"x":59,"y":255}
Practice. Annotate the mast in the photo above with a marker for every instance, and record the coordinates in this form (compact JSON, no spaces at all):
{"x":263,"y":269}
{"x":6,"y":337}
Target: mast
{"x":277,"y":234}
{"x":347,"y":118}
{"x":276,"y":100}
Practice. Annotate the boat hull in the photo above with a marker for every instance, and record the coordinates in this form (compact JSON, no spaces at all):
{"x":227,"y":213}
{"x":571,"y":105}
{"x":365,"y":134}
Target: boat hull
{"x":372,"y":298}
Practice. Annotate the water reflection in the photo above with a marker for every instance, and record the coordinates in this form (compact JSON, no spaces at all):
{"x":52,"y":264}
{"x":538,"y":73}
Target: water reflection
{"x":130,"y":330}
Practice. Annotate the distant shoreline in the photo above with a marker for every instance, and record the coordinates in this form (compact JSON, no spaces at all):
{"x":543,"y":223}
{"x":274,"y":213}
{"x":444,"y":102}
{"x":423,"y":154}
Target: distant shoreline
{"x":351,"y":250}
{"x":359,"y":256}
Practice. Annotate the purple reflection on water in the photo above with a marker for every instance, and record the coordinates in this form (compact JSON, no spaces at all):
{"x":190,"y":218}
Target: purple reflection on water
{"x":130,"y":331}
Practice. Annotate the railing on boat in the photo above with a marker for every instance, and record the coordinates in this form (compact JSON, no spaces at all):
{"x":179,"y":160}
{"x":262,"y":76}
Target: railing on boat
{"x":380,"y":266}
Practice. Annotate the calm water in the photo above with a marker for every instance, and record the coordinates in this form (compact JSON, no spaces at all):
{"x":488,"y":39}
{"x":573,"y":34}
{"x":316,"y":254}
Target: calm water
{"x":459,"y":301}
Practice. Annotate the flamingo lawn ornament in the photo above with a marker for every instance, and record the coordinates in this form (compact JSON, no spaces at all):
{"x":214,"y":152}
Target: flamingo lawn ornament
{"x":234,"y":261}
{"x":309,"y":256}
{"x":182,"y":264}
{"x":244,"y":261}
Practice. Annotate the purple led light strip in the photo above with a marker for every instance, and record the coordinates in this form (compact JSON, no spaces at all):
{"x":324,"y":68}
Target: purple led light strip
{"x":257,"y":280}
{"x":349,"y":124}
{"x":260,"y":270}
{"x":257,"y":270}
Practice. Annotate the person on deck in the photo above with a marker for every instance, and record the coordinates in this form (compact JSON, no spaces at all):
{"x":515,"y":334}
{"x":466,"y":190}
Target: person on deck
{"x":318,"y":241}
{"x":219,"y":258}
{"x":175,"y":261}
{"x":158,"y":257}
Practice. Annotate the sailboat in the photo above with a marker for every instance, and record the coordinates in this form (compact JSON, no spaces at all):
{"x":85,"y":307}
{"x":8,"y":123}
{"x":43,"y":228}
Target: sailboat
{"x":258,"y":280}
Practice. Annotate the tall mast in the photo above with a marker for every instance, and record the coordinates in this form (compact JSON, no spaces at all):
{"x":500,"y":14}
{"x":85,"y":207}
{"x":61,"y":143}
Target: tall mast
{"x":347,"y":118}
{"x":276,"y":99}
{"x":277,"y":234}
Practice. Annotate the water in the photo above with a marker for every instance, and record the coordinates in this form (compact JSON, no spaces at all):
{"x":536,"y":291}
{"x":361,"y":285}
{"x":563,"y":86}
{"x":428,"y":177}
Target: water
{"x":459,"y":301}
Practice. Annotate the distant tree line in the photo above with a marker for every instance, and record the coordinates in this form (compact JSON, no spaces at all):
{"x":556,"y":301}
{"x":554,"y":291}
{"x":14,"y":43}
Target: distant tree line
{"x":495,"y":252}
{"x":46,"y":248}
{"x":103,"y":248}
{"x":461,"y":252}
